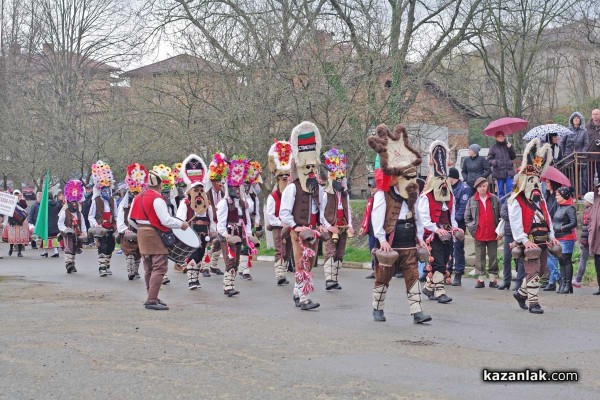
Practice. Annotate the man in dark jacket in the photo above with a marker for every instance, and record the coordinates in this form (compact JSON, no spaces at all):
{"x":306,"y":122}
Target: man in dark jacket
{"x":501,"y":158}
{"x":461,"y":192}
{"x":86,"y":204}
{"x":577,"y":141}
{"x":33,"y":213}
{"x":593,"y":129}
{"x":475,"y":167}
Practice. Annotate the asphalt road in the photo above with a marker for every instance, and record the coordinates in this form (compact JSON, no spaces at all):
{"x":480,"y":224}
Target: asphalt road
{"x":84,"y":337}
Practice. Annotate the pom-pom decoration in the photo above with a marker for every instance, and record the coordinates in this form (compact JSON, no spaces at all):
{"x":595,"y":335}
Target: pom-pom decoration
{"x":102,"y":175}
{"x":137,"y":178}
{"x":166,"y":176}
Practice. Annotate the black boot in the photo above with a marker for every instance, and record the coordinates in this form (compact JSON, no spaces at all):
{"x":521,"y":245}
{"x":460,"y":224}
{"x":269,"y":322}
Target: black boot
{"x":505,"y":286}
{"x":378,"y":315}
{"x":10,"y":249}
{"x":457,"y":278}
{"x":518,"y":284}
{"x":597,"y":265}
{"x":568,"y":277}
{"x":562,"y":274}
{"x":19,"y":250}
{"x":550,"y":288}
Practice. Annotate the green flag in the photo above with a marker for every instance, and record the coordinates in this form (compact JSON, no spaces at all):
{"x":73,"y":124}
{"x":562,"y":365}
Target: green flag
{"x":41,"y":224}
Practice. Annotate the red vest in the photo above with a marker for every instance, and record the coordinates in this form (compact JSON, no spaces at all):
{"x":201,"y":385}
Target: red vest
{"x":486,"y":226}
{"x":435,"y":209}
{"x":528,"y":212}
{"x":143,"y":209}
{"x":277,"y":197}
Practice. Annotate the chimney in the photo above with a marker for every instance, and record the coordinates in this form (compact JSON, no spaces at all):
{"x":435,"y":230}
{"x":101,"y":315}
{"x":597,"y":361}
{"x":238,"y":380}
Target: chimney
{"x":47,"y":48}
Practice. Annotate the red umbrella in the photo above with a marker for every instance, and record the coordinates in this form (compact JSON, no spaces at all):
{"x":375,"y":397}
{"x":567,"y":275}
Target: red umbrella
{"x":555,"y":175}
{"x":507,"y":125}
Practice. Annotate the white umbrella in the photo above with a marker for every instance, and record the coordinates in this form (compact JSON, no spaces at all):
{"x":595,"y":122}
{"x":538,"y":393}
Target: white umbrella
{"x":543,"y":131}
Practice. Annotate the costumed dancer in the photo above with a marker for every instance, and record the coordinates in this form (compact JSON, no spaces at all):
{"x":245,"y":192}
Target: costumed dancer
{"x":531,"y":223}
{"x":234,"y":225}
{"x":336,"y":216}
{"x":193,"y":209}
{"x":300,"y":207}
{"x":137,"y":181}
{"x":149,"y":215}
{"x":252,"y":190}
{"x":180,"y":187}
{"x":396,"y":224}
{"x":280,"y":159}
{"x":71,"y":224}
{"x":436,"y":208}
{"x":102,"y":215}
{"x":168,"y":193}
{"x":217,"y":174}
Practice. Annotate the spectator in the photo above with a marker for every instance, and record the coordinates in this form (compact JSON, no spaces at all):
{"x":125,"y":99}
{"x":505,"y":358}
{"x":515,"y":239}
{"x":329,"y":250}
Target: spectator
{"x":564,"y":222}
{"x":54,"y":207}
{"x":584,"y":244}
{"x":501,"y":158}
{"x":593,"y":128}
{"x":462,"y":193}
{"x":557,"y":154}
{"x":475,"y":167}
{"x":482,"y":216}
{"x":507,"y":255}
{"x":87,"y":203}
{"x":366,"y":228}
{"x":552,"y":274}
{"x":594,"y":234}
{"x":33,"y":213}
{"x":577,"y":141}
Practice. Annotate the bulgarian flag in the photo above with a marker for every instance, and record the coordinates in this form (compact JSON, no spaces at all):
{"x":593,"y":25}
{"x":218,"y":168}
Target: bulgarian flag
{"x":41,"y":224}
{"x":307,"y":141}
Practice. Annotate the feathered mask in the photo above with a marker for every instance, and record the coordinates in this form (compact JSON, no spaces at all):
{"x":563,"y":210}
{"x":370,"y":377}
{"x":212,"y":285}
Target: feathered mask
{"x":74,"y":191}
{"x":238,"y":170}
{"x":102,"y":175}
{"x":137,"y":177}
{"x":166,"y":176}
{"x":335,"y":162}
{"x":218,"y":167}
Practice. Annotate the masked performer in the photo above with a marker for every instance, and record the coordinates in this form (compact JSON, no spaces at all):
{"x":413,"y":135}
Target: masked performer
{"x":193,"y":209}
{"x":168,"y":193}
{"x":217,"y":174}
{"x":234,"y":226}
{"x":70,"y":223}
{"x":336,"y":216}
{"x":280,"y":158}
{"x":137,"y":181}
{"x":395,"y":221}
{"x":436,"y":210}
{"x":103,"y":214}
{"x":300,"y":208}
{"x":531,"y":223}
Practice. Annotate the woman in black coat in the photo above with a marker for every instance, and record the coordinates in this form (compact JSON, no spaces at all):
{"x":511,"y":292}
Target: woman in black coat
{"x":54,"y":207}
{"x":475,"y":166}
{"x":564,"y":222}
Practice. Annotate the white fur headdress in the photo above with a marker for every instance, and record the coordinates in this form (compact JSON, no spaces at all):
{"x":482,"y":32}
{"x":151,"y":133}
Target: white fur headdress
{"x":306,"y":144}
{"x":194,"y":171}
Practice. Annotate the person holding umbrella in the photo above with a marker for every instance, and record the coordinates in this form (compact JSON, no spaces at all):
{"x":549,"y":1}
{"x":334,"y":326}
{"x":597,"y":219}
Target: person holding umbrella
{"x":501,"y":158}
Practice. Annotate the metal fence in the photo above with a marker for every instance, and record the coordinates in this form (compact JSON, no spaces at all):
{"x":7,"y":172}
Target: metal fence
{"x":582,"y":169}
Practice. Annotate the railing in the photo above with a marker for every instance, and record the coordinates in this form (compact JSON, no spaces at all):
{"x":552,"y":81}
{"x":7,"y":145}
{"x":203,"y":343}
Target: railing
{"x":581,"y":168}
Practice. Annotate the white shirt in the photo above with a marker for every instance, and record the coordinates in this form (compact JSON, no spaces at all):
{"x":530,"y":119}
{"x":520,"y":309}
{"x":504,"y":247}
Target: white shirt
{"x":223,"y":210}
{"x":162,"y":212}
{"x":287,"y":204}
{"x":423,"y":212}
{"x":378,"y":215}
{"x":339,"y":198}
{"x":270,"y":212}
{"x":121,"y":223}
{"x":92,"y":213}
{"x":217,"y":198}
{"x":61,"y":221}
{"x":515,"y":217}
